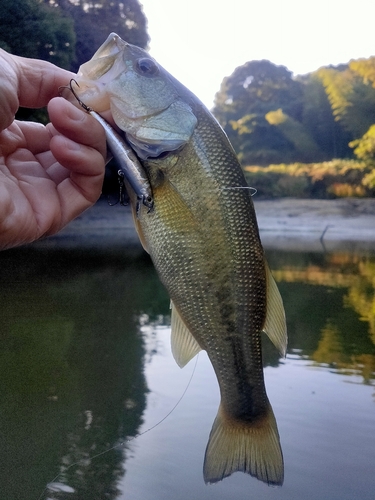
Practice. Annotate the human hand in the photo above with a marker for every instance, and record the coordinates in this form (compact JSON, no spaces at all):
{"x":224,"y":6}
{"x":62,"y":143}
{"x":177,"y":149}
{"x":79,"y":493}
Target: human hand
{"x":48,"y":174}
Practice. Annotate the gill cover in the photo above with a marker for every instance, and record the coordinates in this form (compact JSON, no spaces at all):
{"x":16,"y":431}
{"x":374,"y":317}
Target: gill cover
{"x":143,"y":98}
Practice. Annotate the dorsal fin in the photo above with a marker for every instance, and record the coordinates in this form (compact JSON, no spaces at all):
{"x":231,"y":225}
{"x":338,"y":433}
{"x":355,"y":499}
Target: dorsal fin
{"x":275,"y":324}
{"x":184,"y":346}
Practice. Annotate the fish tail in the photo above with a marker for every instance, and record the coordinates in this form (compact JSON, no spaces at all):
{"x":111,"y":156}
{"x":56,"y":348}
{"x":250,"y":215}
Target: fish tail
{"x":253,"y":448}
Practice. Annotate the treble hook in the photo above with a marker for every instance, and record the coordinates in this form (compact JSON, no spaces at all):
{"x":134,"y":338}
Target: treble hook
{"x":123,"y":198}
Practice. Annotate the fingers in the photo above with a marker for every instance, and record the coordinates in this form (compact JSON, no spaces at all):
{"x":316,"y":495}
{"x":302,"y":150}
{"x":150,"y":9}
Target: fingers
{"x":78,"y":144}
{"x":38,"y":81}
{"x":27,"y":82}
{"x":76,"y":124}
{"x":8,"y":95}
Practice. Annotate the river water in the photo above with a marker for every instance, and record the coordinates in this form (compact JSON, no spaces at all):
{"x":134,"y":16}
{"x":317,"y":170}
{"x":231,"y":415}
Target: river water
{"x":93,"y":406}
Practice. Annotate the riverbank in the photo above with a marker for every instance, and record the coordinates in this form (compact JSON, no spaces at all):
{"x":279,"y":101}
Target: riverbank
{"x":285,"y":224}
{"x":314,"y":225}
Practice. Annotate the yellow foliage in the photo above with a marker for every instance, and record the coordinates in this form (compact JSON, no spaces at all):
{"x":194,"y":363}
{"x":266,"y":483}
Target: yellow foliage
{"x":365,"y":68}
{"x":335,"y":178}
{"x":359,"y":279}
{"x":345,"y":190}
{"x":339,"y":87}
{"x":276,"y":117}
{"x":329,"y":349}
{"x":355,"y":273}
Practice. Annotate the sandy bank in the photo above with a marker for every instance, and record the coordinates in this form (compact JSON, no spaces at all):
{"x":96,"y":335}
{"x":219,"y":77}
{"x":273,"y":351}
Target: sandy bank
{"x":297,"y":224}
{"x":289,"y":224}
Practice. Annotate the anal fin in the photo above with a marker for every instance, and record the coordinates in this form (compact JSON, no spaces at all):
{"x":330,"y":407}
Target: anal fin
{"x":275,"y":324}
{"x":184,"y":346}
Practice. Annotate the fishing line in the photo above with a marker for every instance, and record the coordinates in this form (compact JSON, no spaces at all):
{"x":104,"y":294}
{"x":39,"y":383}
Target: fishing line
{"x":253,"y":190}
{"x":123,"y":443}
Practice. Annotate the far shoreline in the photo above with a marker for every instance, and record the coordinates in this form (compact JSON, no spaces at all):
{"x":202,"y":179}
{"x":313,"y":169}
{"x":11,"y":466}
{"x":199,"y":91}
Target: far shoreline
{"x":297,"y":224}
{"x":285,"y":224}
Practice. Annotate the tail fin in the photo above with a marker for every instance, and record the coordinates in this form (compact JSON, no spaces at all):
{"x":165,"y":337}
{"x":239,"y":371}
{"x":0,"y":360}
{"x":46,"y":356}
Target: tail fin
{"x":239,"y":446}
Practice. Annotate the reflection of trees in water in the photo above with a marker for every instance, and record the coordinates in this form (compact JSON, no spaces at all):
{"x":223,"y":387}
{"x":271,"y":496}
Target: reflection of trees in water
{"x":73,"y":353}
{"x":331,"y":351}
{"x":98,"y":446}
{"x":108,"y":352}
{"x":346,"y":332}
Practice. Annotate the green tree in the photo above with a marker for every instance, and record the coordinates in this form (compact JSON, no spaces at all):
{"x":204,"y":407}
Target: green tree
{"x":257,"y":142}
{"x":303,"y":143}
{"x":318,"y":120}
{"x":241,"y":106}
{"x":258,"y":87}
{"x":364,"y":148}
{"x":66,"y":32}
{"x":365,"y":68}
{"x":31,"y":29}
{"x":352,"y":100}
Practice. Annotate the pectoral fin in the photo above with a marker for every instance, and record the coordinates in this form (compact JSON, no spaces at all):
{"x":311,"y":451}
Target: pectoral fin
{"x":184,"y":345}
{"x":275,"y":324}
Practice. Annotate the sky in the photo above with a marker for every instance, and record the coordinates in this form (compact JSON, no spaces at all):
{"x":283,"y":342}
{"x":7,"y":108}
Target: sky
{"x":202,"y":41}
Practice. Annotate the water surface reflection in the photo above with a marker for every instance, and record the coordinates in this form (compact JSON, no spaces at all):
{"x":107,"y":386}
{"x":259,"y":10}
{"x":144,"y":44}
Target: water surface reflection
{"x":85,"y":365}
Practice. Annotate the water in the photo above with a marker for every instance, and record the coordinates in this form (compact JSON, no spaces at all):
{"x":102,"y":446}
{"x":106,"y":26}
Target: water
{"x":85,"y":366}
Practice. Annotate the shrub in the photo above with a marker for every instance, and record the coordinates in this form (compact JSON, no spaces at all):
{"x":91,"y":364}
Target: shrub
{"x":330,"y":179}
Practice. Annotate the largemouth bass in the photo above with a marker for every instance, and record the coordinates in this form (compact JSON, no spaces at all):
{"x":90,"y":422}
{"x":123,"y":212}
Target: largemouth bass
{"x":203,"y":238}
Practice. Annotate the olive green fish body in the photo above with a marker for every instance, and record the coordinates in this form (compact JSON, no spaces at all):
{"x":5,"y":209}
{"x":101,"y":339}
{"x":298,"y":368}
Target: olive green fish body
{"x":203,"y":239}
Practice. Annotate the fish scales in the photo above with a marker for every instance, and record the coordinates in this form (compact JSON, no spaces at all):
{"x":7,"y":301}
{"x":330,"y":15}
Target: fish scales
{"x":203,"y":238}
{"x":213,"y":251}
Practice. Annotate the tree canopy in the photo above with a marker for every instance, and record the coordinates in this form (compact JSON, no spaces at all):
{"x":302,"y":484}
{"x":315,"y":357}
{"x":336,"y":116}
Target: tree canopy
{"x":271,"y":116}
{"x":243,"y":101}
{"x":31,"y":29}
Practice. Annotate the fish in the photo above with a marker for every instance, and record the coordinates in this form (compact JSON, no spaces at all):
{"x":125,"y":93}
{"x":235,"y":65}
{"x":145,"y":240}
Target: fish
{"x":203,"y":238}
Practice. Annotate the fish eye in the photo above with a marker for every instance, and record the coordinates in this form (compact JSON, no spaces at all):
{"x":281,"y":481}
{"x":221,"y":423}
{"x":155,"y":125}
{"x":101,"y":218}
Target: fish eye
{"x":147,"y":67}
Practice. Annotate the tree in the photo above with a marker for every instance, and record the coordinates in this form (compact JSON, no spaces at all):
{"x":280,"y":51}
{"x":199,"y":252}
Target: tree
{"x":352,"y":100}
{"x":257,"y":142}
{"x":304,"y":146}
{"x":317,"y":118}
{"x":258,"y":87}
{"x":31,"y":29}
{"x":364,"y":148}
{"x":365,"y":68}
{"x":68,"y":32}
{"x":241,"y":106}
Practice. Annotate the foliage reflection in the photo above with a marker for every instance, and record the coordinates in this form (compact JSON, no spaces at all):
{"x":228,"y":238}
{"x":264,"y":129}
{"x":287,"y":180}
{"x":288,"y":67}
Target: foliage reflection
{"x":335,"y":293}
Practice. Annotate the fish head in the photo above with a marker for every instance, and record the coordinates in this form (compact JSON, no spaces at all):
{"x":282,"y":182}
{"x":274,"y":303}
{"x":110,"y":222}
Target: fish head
{"x":145,"y":101}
